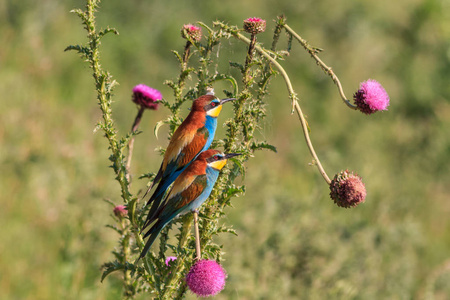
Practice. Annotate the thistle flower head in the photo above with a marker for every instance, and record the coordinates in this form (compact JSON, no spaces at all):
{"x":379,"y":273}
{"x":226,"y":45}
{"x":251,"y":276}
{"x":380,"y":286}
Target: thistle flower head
{"x":169,"y":260}
{"x":206,"y":278}
{"x":347,"y":189}
{"x":146,"y":96}
{"x":120,"y":211}
{"x":371,"y":97}
{"x":192,"y":31}
{"x":254,"y":25}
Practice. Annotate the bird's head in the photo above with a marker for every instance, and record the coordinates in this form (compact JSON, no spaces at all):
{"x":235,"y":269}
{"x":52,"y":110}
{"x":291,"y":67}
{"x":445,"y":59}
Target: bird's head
{"x":210,"y":104}
{"x":216,"y":159}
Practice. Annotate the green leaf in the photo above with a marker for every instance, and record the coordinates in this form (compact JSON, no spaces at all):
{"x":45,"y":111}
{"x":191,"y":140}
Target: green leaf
{"x":80,"y":49}
{"x":150,"y":175}
{"x":180,"y":59}
{"x":79,"y":13}
{"x":205,"y":26}
{"x":237,"y":65}
{"x":106,"y":31}
{"x":263,"y":145}
{"x":229,"y":78}
{"x":158,"y":125}
{"x":119,"y":231}
{"x":233,"y":191}
{"x":111,"y":267}
{"x":238,"y":168}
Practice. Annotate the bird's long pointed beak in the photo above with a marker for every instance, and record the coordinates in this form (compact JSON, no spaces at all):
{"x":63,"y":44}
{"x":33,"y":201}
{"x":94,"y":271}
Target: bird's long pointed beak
{"x":226,"y":100}
{"x":230,"y":155}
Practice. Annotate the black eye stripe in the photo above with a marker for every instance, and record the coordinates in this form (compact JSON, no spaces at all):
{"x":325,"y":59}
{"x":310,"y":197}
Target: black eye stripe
{"x":215,"y":157}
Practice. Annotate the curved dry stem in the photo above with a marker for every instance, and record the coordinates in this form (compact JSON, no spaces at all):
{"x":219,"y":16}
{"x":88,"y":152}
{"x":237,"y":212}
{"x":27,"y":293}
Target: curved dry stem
{"x":313,"y":52}
{"x":295,"y":104}
{"x":308,"y":142}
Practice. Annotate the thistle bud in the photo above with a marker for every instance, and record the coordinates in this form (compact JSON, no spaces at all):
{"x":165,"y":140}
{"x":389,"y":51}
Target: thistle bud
{"x":254,"y":25}
{"x":120,"y":211}
{"x":347,"y":189}
{"x":191,"y":31}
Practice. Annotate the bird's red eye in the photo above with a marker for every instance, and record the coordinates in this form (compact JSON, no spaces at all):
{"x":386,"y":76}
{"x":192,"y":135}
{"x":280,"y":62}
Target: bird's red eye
{"x":216,"y":157}
{"x":213,"y":104}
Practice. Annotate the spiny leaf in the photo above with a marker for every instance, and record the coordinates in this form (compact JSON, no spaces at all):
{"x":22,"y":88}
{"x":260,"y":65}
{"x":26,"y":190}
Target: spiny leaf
{"x":238,"y":168}
{"x":227,"y":230}
{"x":110,"y":267}
{"x":123,"y":143}
{"x":150,"y":175}
{"x":157,"y":126}
{"x":119,"y":231}
{"x":110,"y":202}
{"x":180,"y":59}
{"x":237,"y":65}
{"x":106,"y":31}
{"x":233,"y":191}
{"x":205,"y":26}
{"x":80,"y":49}
{"x":263,"y":145}
{"x":227,"y":78}
{"x":79,"y":13}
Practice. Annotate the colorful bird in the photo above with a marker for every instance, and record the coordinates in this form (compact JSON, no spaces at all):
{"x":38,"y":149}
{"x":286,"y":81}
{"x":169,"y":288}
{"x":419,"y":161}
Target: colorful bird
{"x":194,"y":135}
{"x":189,"y":191}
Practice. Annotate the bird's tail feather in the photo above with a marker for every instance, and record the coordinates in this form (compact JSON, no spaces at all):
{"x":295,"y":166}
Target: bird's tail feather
{"x":153,"y":233}
{"x":157,"y":198}
{"x":163,"y":186}
{"x":155,"y":181}
{"x":154,"y":210}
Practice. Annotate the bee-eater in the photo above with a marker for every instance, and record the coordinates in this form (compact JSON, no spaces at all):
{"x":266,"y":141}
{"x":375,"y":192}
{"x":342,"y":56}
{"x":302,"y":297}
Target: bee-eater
{"x":189,"y":191}
{"x":193,"y":136}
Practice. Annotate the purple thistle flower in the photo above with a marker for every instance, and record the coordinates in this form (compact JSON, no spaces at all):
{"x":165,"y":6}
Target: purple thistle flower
{"x":347,"y":189}
{"x":192,"y":31}
{"x":169,"y":260}
{"x":146,"y":96}
{"x":206,"y":278}
{"x":371,"y":97}
{"x":120,"y":211}
{"x":254,"y":25}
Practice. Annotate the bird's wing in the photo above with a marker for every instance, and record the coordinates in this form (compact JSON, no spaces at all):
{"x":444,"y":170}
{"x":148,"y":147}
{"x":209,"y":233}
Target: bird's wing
{"x":181,"y":195}
{"x":184,"y":148}
{"x":192,"y":149}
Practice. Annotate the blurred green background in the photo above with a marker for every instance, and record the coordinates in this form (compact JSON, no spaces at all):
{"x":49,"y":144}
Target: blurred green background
{"x":293,"y":242}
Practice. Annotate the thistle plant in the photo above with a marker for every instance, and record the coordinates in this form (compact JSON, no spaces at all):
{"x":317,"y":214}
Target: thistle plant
{"x":184,"y":261}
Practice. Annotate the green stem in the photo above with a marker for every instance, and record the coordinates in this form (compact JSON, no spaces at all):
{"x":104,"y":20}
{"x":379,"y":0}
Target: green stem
{"x":103,"y":95}
{"x":178,"y":90}
{"x":197,"y":236}
{"x":134,"y":128}
{"x":127,"y":284}
{"x":248,"y":59}
{"x":104,"y":85}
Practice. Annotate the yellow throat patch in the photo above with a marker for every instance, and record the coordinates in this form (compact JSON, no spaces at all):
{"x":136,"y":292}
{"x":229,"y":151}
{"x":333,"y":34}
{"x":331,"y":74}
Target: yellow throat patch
{"x":214,"y":112}
{"x":218,"y":164}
